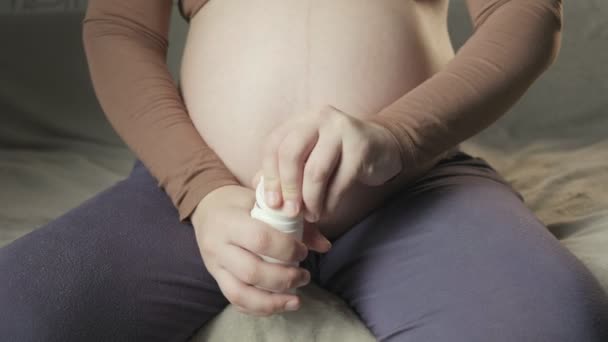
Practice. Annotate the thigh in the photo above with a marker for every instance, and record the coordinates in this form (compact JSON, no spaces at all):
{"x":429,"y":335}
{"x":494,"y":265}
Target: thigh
{"x":456,"y":257}
{"x":120,"y":267}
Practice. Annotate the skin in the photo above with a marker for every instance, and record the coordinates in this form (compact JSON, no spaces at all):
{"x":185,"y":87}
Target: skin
{"x":262,"y":83}
{"x":318,"y":156}
{"x":310,"y":161}
{"x":229,"y":241}
{"x":300,"y":119}
{"x":306,"y":150}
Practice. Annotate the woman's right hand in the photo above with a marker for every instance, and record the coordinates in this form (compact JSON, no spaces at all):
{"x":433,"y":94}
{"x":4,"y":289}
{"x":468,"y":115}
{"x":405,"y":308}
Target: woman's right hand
{"x":229,"y":240}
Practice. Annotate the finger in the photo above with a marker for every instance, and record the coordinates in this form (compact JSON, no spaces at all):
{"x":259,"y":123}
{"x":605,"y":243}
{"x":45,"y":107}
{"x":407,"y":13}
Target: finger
{"x":319,"y":167}
{"x":293,"y":152}
{"x":343,"y":178}
{"x":314,"y":239}
{"x":253,"y":270}
{"x":240,"y":308}
{"x":260,"y":238}
{"x":243,"y":310}
{"x":258,"y":301}
{"x":270,"y":166}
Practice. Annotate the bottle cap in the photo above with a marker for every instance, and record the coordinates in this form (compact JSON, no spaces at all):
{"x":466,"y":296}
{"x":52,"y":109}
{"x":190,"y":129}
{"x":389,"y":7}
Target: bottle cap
{"x":274,"y":217}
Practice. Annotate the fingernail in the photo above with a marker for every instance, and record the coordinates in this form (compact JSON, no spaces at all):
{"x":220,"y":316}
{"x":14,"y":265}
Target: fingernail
{"x":306,"y":279}
{"x":291,"y":206}
{"x":327,"y":243}
{"x":312,"y":217}
{"x":291,"y":305}
{"x":304,"y":254}
{"x":271,"y":197}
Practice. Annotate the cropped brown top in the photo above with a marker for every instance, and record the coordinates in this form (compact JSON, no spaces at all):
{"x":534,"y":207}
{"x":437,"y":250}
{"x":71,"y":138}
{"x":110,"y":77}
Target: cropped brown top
{"x":513,"y":42}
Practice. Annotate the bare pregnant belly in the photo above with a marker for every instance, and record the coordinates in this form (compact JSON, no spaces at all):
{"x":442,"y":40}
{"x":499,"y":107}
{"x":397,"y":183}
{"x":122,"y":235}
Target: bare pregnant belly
{"x":250,"y":65}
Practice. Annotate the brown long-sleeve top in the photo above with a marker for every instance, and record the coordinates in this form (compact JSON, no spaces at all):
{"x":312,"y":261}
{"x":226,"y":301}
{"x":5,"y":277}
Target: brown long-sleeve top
{"x":513,"y":42}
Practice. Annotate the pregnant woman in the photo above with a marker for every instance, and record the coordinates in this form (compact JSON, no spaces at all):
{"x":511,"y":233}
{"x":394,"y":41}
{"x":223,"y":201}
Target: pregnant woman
{"x":353,"y":111}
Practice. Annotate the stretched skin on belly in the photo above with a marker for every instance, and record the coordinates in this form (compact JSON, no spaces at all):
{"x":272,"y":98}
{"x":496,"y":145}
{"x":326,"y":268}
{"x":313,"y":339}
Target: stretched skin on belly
{"x":248,"y":68}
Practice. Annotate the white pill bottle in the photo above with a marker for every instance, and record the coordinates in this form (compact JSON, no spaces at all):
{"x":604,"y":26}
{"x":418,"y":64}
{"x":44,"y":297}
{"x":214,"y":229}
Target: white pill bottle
{"x":279,"y":221}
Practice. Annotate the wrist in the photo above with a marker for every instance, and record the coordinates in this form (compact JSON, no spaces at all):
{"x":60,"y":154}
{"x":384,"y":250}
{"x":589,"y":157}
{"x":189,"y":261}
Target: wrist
{"x":209,"y":198}
{"x":394,"y":148}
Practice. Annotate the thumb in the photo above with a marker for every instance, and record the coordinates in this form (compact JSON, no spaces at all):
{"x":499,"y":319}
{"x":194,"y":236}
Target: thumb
{"x":313,"y":238}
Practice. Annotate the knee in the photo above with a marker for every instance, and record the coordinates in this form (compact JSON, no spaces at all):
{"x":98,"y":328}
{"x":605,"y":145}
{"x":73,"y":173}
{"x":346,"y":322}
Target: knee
{"x":569,"y":305}
{"x":539,"y":291}
{"x":499,"y":276}
{"x":563,"y":302}
{"x":557,"y":300}
{"x":53,"y":290}
{"x":31,"y":291}
{"x":563,"y":307}
{"x":551,"y":295}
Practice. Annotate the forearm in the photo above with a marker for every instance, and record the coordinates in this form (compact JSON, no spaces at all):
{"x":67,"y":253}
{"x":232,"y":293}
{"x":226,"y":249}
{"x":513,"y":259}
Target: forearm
{"x":512,"y":44}
{"x":126,"y":47}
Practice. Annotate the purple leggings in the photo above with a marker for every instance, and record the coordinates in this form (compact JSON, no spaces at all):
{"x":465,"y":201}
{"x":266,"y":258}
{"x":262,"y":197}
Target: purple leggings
{"x":456,"y":256}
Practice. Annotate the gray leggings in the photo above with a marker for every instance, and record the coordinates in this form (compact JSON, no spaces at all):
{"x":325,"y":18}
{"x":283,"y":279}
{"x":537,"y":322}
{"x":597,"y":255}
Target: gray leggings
{"x":456,"y":256}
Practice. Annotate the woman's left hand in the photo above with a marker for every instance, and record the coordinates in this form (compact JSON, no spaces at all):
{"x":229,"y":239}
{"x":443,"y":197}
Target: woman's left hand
{"x":314,"y":158}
